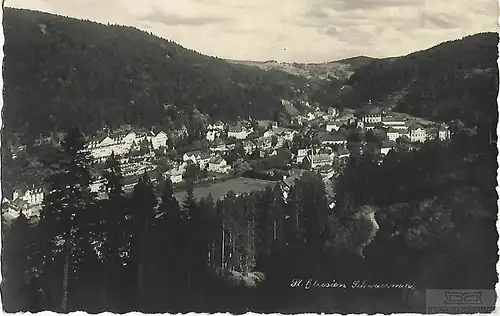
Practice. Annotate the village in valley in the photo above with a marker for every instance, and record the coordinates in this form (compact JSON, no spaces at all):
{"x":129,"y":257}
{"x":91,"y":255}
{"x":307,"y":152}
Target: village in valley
{"x":245,"y":155}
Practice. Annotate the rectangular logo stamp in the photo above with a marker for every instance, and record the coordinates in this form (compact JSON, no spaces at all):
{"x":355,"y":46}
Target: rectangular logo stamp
{"x":460,"y":301}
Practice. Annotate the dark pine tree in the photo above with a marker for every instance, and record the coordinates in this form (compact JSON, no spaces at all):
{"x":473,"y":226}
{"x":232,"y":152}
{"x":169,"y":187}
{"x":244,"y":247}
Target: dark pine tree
{"x":170,"y":232}
{"x":112,"y":226}
{"x":197,"y":246}
{"x":64,"y":218}
{"x":142,"y":214}
{"x":18,"y":290}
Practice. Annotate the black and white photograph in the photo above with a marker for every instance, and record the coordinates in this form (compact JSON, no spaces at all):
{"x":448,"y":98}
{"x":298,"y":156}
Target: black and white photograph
{"x":263,"y":156}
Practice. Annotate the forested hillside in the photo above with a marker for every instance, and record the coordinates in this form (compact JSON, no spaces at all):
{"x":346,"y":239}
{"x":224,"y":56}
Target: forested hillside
{"x":62,"y":72}
{"x":454,"y":80}
{"x":92,"y":75}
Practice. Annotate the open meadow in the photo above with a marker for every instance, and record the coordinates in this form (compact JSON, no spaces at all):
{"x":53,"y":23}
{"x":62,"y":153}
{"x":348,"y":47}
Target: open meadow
{"x":219,"y":189}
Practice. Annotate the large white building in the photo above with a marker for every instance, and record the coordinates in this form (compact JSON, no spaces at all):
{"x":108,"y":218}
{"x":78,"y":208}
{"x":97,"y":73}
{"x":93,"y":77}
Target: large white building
{"x":333,"y":139}
{"x":417,"y":133}
{"x":199,"y":158}
{"x":122,"y":144}
{"x":32,"y":196}
{"x":27,"y":202}
{"x":218,"y":164}
{"x":369,"y":114}
{"x":333,"y":126}
{"x":239,"y":132}
{"x":249,"y":147}
{"x":176,"y":174}
{"x":393,"y":134}
{"x":217,"y":126}
{"x":443,"y":132}
{"x":318,"y":160}
{"x":394,"y":122}
{"x":212,"y":135}
{"x":158,"y":140}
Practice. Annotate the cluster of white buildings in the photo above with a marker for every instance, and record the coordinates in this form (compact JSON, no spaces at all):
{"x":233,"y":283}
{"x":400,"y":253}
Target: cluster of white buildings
{"x":417,"y":133}
{"x":333,"y":141}
{"x":239,"y":131}
{"x":316,"y":114}
{"x":29,"y":203}
{"x":122,"y":144}
{"x":215,"y":131}
{"x":210,"y":161}
{"x":370,"y":117}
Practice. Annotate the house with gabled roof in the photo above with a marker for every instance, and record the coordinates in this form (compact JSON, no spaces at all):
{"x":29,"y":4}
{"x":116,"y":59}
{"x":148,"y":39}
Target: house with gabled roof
{"x":27,"y":202}
{"x":369,"y":113}
{"x":219,"y":146}
{"x":248,"y":146}
{"x":197,"y":157}
{"x":158,"y":140}
{"x":417,"y":133}
{"x":33,"y":196}
{"x":264,"y":142}
{"x":175,"y":174}
{"x":239,"y":132}
{"x":333,"y":139}
{"x":342,"y":153}
{"x":326,"y":172}
{"x":302,"y":153}
{"x":370,"y":126}
{"x":393,"y":134}
{"x":444,"y":132}
{"x":212,"y":135}
{"x":203,"y":158}
{"x":334,"y":125}
{"x":386,"y":146}
{"x":216,"y":126}
{"x":394,"y":122}
{"x":265,"y":124}
{"x":16,"y":207}
{"x":288,"y":182}
{"x":218,"y":164}
{"x":283,"y":133}
{"x":314,"y":161}
{"x":269,"y":133}
{"x":118,"y":143}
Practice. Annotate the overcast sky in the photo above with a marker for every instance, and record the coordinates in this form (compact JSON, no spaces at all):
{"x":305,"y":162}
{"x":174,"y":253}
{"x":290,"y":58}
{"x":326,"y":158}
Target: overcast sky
{"x":290,"y":30}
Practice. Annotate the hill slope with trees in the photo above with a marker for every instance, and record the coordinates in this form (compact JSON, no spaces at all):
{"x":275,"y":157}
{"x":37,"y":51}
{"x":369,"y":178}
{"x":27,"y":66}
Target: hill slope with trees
{"x":453,"y":80}
{"x":330,"y":71}
{"x":92,"y":75}
{"x":86,"y":74}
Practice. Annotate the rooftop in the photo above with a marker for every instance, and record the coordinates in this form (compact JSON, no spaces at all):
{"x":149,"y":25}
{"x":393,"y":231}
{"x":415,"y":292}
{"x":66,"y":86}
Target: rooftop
{"x":335,"y":122}
{"x":394,"y":130}
{"x":387,"y":144}
{"x":321,"y":157}
{"x":369,"y":110}
{"x":333,"y":137}
{"x":289,"y":181}
{"x":374,"y":125}
{"x":342,"y":151}
{"x":395,"y":119}
{"x":218,"y":142}
{"x":236,"y":129}
{"x":216,"y":160}
{"x":415,"y":126}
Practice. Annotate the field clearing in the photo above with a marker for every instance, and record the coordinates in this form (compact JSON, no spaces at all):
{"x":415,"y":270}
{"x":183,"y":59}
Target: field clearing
{"x":219,"y":189}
